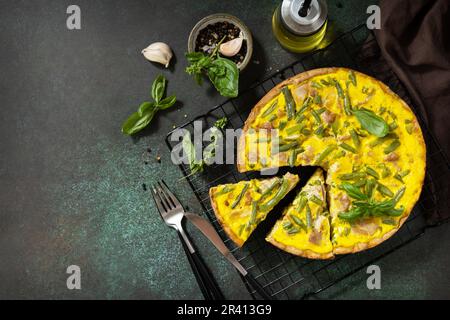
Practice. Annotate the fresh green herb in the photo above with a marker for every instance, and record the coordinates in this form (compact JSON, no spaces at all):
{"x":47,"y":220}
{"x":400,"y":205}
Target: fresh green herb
{"x":282,"y":125}
{"x":385,"y":191}
{"x":371,"y":122}
{"x":221,"y":123}
{"x":223,"y":73}
{"x":347,"y":147}
{"x":359,"y":183}
{"x":147,"y":110}
{"x":372,"y":208}
{"x":325,"y":153}
{"x":239,"y":197}
{"x":393,"y":146}
{"x":290,"y":103}
{"x":353,"y":192}
{"x":306,"y":131}
{"x":369,"y":187}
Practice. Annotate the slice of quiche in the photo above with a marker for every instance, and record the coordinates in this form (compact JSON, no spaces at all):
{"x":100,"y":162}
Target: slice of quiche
{"x":240,"y":207}
{"x":304,"y":229}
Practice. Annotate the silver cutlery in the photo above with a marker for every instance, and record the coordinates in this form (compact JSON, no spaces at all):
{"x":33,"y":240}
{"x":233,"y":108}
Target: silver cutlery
{"x":172,"y":213}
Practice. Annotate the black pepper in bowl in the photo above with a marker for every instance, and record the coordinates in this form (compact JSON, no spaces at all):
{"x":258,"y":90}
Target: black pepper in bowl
{"x":209,"y":36}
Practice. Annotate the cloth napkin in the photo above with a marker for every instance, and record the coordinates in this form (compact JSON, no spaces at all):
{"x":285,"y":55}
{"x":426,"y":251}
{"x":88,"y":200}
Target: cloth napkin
{"x":415,"y":41}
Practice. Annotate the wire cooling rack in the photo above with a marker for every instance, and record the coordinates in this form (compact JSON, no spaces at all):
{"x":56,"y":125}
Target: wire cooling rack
{"x":281,"y":274}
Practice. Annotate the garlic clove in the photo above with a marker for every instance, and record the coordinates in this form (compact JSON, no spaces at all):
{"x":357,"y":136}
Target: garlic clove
{"x":232,"y":47}
{"x":158,"y":52}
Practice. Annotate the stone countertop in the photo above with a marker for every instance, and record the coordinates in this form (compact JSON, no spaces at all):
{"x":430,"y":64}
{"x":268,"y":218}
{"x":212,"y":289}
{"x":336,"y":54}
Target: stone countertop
{"x":71,"y":191}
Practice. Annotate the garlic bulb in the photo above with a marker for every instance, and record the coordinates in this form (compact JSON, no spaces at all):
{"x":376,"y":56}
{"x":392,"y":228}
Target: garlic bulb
{"x":158,"y":52}
{"x":232,"y":47}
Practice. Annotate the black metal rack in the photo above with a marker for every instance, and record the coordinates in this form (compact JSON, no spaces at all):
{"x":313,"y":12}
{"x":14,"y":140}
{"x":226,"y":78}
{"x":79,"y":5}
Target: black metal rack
{"x":283,"y":275}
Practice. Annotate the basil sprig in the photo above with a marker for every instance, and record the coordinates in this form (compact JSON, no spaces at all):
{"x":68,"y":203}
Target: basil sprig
{"x":147,"y":110}
{"x":371,"y":122}
{"x":365,"y":206}
{"x":223,"y":73}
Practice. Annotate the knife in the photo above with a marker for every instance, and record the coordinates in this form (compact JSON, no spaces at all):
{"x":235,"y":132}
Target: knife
{"x":209,"y":232}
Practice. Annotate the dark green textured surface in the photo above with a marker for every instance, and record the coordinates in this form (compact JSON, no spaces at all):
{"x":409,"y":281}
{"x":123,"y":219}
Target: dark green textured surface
{"x":71,"y":190}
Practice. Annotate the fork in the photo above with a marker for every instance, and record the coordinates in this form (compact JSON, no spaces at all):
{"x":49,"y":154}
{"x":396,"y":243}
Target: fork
{"x":172,"y":213}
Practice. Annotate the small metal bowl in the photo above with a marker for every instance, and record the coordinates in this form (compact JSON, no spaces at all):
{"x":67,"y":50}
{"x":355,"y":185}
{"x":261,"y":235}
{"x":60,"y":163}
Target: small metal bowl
{"x":221,"y":17}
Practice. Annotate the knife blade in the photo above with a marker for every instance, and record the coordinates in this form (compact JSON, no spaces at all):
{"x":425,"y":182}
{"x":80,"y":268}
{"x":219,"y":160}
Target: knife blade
{"x":209,"y":232}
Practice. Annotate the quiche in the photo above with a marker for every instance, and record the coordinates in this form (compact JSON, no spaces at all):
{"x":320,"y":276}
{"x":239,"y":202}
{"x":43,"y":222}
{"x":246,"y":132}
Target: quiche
{"x":362,"y":134}
{"x":240,"y":207}
{"x":304,"y":228}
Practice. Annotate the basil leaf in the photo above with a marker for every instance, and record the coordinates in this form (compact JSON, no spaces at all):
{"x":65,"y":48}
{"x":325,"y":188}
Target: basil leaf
{"x":353,"y":191}
{"x":372,"y":123}
{"x":158,"y":88}
{"x":224,"y":75}
{"x":194,"y":57}
{"x":167,"y":102}
{"x":144,"y":107}
{"x":136,"y":122}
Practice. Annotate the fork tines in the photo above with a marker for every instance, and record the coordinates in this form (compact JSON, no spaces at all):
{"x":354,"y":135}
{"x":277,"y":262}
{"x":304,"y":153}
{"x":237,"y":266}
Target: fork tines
{"x":164,"y":198}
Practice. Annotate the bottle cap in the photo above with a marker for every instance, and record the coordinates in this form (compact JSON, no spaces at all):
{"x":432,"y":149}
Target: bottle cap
{"x":314,"y":19}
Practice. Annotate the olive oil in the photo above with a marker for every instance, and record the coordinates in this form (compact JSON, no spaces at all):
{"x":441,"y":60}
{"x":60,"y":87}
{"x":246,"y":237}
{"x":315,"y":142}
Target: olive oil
{"x":299,"y":28}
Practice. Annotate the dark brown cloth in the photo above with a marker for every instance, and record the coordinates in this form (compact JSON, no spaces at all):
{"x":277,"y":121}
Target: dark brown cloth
{"x":415,"y":41}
